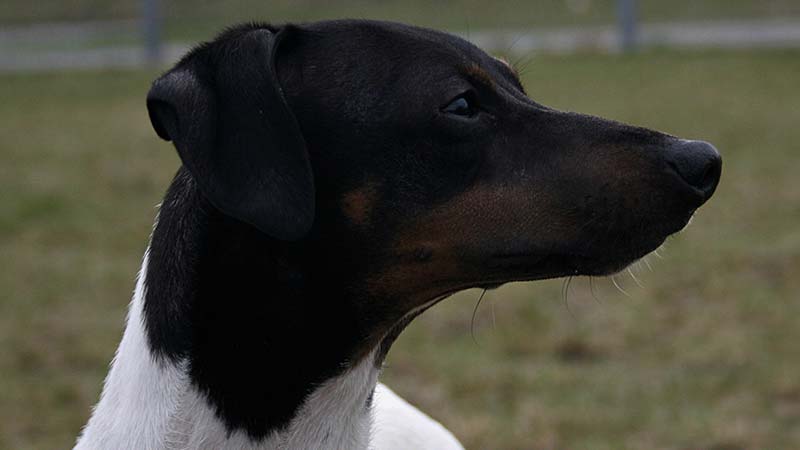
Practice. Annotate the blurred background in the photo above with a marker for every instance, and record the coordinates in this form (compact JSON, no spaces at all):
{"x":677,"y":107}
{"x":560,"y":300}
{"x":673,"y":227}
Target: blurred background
{"x":697,"y":348}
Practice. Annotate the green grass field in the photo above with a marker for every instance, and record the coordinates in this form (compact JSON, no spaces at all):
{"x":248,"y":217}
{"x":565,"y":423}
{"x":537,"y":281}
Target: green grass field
{"x":705,"y":355}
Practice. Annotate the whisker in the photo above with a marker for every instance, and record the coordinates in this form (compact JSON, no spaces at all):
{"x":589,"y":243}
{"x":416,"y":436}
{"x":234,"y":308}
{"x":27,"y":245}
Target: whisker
{"x":647,"y":263}
{"x":513,"y":43}
{"x":614,"y":280}
{"x":472,"y":321}
{"x":522,"y":63}
{"x":636,"y":280}
{"x":591,"y":289}
{"x":565,"y":294}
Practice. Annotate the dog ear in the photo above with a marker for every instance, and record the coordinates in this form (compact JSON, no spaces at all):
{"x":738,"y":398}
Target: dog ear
{"x":224,"y":109}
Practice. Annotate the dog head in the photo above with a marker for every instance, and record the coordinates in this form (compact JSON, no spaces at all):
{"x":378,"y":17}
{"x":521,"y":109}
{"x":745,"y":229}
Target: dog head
{"x":418,"y":160}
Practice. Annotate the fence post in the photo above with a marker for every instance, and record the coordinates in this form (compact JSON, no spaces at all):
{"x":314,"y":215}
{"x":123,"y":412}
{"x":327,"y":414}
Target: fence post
{"x":626,"y":19}
{"x":151,"y":31}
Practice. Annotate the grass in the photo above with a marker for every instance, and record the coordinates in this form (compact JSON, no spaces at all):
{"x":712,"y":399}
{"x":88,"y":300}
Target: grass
{"x":703,"y":356}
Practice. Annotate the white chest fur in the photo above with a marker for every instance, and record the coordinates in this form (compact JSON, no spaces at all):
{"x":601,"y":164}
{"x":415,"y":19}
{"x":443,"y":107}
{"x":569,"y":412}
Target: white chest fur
{"x":148,"y":404}
{"x":152,"y":405}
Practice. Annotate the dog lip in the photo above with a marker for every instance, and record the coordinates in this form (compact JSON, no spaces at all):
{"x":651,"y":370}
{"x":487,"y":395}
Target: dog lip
{"x":535,"y":266}
{"x":516,"y":255}
{"x":532,"y":265}
{"x":517,"y":260}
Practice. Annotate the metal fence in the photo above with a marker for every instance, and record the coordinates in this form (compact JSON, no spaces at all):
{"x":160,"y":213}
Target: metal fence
{"x":140,"y":39}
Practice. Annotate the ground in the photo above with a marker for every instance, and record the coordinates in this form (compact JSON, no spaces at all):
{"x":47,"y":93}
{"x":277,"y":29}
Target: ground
{"x":704,"y":355}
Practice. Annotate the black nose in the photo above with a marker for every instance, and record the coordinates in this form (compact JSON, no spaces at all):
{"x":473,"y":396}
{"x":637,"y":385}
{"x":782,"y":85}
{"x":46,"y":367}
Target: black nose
{"x":698,"y":163}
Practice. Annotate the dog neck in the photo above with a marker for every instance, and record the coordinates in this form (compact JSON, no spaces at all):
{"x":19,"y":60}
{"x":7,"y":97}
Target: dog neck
{"x":230,"y":342}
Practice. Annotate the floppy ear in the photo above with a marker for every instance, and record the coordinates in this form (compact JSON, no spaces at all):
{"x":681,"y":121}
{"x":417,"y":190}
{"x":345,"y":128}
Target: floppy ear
{"x":224,"y":110}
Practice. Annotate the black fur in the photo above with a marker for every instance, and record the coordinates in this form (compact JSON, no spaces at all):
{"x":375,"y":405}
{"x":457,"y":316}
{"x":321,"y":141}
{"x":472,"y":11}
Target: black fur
{"x":223,"y":107}
{"x":329,"y":194}
{"x":258,"y":332}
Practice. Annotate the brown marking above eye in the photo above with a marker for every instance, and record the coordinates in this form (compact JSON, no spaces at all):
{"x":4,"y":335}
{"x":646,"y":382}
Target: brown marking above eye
{"x":476,"y":72}
{"x":358,"y":204}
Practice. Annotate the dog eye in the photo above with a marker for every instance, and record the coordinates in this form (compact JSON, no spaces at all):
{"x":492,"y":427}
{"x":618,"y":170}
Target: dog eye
{"x":460,"y":106}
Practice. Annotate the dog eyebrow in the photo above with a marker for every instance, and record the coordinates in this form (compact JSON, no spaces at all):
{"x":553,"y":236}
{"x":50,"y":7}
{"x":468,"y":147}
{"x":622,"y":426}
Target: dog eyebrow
{"x":481,"y":76}
{"x":505,"y":63}
{"x":509,"y":68}
{"x":477,"y":73}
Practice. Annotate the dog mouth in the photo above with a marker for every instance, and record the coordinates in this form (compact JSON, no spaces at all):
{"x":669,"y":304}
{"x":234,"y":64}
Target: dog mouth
{"x":532,"y":268}
{"x":522,"y":267}
{"x":589,"y":259}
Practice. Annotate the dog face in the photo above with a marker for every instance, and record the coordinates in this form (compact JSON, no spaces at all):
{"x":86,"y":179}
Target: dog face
{"x":437,"y":154}
{"x":419,"y":160}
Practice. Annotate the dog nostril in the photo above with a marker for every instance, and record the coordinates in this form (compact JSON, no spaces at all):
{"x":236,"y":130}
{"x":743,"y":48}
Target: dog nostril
{"x":698,"y":163}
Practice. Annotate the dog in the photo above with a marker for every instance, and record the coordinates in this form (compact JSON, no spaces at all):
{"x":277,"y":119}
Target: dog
{"x":338,"y":178}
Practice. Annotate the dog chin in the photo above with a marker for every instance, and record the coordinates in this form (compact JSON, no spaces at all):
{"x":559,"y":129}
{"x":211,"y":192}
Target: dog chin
{"x":643,"y":250}
{"x":611,"y":266}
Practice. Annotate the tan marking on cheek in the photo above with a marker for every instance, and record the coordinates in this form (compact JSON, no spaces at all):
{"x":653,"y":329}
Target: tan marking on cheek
{"x":475,"y":216}
{"x":358,"y":204}
{"x":430,"y":251}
